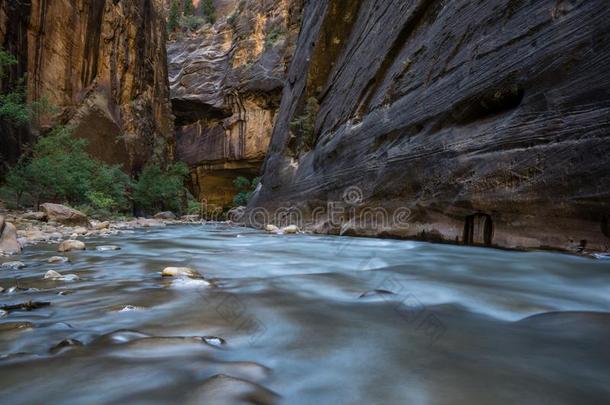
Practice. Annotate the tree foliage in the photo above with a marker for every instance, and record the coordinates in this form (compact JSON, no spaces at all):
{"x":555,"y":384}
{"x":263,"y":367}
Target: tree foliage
{"x":245,"y":190}
{"x":161,"y":190}
{"x":174,"y":17}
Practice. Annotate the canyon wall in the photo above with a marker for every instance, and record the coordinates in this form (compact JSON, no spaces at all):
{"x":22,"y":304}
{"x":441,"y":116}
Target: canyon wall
{"x":101,"y":65}
{"x":477,"y":122}
{"x":226,"y":81}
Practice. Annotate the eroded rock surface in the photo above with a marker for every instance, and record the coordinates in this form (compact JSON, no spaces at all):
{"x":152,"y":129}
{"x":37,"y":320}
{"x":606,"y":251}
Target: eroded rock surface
{"x":484,"y":122}
{"x":226,"y":81}
{"x":102,"y":64}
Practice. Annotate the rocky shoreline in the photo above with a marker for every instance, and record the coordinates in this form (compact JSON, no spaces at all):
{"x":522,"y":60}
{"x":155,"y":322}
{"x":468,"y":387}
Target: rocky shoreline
{"x":60,"y":225}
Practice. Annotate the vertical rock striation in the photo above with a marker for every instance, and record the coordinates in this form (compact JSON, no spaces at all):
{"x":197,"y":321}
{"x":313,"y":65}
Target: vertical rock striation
{"x":486,"y":122}
{"x":103,"y":65}
{"x":226,"y":81}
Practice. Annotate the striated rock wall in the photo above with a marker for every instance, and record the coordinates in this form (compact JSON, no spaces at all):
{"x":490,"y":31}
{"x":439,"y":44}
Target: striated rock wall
{"x":488,"y":122}
{"x":103,"y":65}
{"x":226,"y":81}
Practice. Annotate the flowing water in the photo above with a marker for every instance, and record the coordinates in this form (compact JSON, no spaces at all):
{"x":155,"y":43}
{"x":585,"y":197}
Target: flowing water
{"x":305,"y":319}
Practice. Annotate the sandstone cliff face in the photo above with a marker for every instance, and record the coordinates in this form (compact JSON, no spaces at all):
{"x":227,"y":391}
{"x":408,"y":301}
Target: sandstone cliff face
{"x":488,"y":122}
{"x":226,"y":81}
{"x":103,"y":65}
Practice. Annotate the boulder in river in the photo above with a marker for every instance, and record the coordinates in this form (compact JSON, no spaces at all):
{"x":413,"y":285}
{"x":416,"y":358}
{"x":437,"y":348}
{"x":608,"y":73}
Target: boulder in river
{"x":166,"y":215}
{"x":101,"y":225}
{"x":8,"y":238}
{"x":272,"y":228}
{"x":65,"y":215}
{"x":71,"y":244}
{"x":180,"y":272}
{"x":290,"y":229}
{"x":53,"y":275}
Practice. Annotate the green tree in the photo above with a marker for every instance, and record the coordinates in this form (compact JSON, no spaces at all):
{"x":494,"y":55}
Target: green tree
{"x":245,"y":189}
{"x":13,"y":107}
{"x":174,"y":17}
{"x":6,"y":59}
{"x":159,"y":189}
{"x":208,"y":11}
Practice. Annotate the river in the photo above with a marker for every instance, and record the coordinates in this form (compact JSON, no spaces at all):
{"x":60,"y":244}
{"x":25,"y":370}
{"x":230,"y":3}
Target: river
{"x":304,"y":319}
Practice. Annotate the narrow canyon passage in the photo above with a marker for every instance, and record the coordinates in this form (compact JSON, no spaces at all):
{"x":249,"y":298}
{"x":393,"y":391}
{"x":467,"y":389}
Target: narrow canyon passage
{"x":305,"y":319}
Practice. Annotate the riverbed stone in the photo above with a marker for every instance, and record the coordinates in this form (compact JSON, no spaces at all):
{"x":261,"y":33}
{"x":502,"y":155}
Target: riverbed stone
{"x":290,"y":229}
{"x":34,"y":216}
{"x":69,"y":245}
{"x":65,"y":215}
{"x":52,"y":274}
{"x":180,"y":272}
{"x":14,"y":265}
{"x":272,"y":228}
{"x":58,"y":259}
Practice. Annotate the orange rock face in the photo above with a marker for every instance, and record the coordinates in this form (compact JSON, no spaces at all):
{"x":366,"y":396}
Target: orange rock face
{"x":102,"y":66}
{"x":226,"y":80}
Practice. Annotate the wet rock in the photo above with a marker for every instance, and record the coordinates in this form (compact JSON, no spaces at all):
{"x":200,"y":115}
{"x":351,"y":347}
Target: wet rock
{"x":290,"y":229}
{"x":25,"y":306}
{"x":1,"y":290}
{"x":236,"y":214}
{"x":36,"y":235}
{"x":53,"y":275}
{"x":165,"y":215}
{"x":13,"y":265}
{"x":224,"y":389}
{"x":65,"y":292}
{"x":272,"y":228}
{"x":34,"y":216}
{"x":375,"y":292}
{"x":601,"y":256}
{"x":190,"y":218}
{"x":180,"y":272}
{"x":64,"y":344}
{"x":69,"y":245}
{"x":3,"y":313}
{"x":8,"y":238}
{"x":65,"y":215}
{"x":58,"y":259}
{"x":130,"y":308}
{"x":105,"y":248}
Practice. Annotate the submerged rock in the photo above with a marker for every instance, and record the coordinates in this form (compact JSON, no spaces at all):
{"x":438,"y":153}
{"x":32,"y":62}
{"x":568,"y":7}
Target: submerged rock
{"x":224,"y":389}
{"x":65,"y":215}
{"x":214,"y":341}
{"x":69,"y":245}
{"x":376,"y":292}
{"x":53,"y":275}
{"x":13,"y":265}
{"x":105,"y":248}
{"x":66,"y":343}
{"x":57,"y":259}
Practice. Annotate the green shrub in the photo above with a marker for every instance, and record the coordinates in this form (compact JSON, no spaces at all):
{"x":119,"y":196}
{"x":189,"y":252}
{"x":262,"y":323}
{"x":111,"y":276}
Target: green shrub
{"x":6,"y":59}
{"x":188,"y":8}
{"x":273,"y":36}
{"x":13,"y":107}
{"x":191,"y":22}
{"x":161,"y":190}
{"x":174,"y":17}
{"x":60,"y":169}
{"x":305,"y":123}
{"x":245,"y":190}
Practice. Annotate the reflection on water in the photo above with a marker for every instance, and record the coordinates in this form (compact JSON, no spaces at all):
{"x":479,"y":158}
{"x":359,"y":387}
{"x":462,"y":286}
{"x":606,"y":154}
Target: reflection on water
{"x":305,"y":319}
